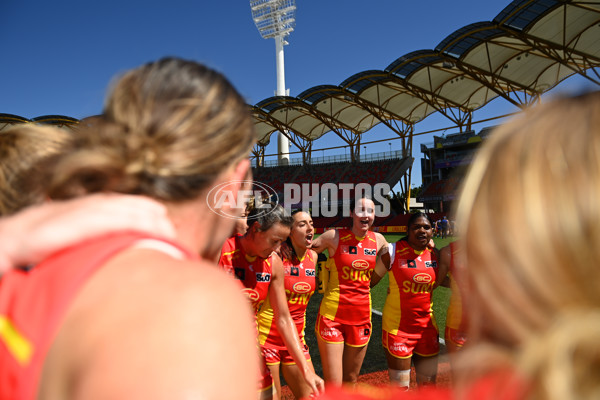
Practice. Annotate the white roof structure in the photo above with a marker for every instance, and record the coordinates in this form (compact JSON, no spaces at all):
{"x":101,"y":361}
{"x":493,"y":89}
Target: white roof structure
{"x":526,"y":50}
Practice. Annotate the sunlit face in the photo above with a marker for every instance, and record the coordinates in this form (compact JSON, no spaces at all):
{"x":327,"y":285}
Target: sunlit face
{"x":419,"y":233}
{"x":363,"y":214}
{"x":302,"y":230}
{"x":241,"y":224}
{"x":266,"y":242}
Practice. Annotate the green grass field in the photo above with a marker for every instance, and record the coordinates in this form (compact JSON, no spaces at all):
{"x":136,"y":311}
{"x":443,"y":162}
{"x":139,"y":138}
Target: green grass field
{"x":375,"y":358}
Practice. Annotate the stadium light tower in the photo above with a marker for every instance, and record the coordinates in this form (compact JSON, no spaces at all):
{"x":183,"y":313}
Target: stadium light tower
{"x":276,"y":19}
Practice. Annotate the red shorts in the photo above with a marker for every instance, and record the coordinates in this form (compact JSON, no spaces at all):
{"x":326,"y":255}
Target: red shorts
{"x":335,"y":332}
{"x":455,"y":336}
{"x":266,"y":380}
{"x":403,"y":345}
{"x":276,"y":356}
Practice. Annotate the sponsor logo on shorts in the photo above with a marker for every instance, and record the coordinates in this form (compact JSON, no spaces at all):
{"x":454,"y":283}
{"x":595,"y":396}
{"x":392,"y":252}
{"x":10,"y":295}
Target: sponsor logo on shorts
{"x":269,"y":352}
{"x":370,"y":252}
{"x":422,"y":278}
{"x":251,"y":293}
{"x":399,"y":347}
{"x":328,"y":333}
{"x":309,"y":272}
{"x":301,"y":287}
{"x":263,"y":277}
{"x":360,"y":264}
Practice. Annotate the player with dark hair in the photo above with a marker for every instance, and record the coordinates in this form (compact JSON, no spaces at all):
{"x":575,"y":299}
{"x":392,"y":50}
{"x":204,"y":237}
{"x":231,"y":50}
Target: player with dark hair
{"x":300,"y":284}
{"x":252,"y":260}
{"x":410,"y":333}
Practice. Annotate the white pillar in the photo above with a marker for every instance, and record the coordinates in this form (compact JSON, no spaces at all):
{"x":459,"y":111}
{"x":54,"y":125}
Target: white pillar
{"x":283,"y":144}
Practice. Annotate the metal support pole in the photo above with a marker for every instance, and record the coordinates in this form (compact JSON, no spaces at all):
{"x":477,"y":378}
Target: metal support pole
{"x":283,"y":143}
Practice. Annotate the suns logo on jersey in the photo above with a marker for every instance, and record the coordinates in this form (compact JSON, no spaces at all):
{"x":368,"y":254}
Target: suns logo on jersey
{"x":430,"y":264}
{"x":422,"y":278}
{"x":301,"y":287}
{"x":309,"y":272}
{"x":360,"y":264}
{"x":251,"y":294}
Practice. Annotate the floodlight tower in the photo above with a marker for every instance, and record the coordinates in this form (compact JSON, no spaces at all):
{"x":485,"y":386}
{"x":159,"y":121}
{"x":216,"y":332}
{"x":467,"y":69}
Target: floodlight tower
{"x":276,"y":19}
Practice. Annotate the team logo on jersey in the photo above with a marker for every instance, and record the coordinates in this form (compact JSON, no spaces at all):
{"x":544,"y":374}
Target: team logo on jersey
{"x":301,"y":287}
{"x":240,"y":273}
{"x":370,"y":252}
{"x":422,"y":278}
{"x":263,"y":277}
{"x":353,"y":250}
{"x":430,"y":264}
{"x":309,"y":272}
{"x":360,"y":264}
{"x":251,"y":293}
{"x":295,"y":271}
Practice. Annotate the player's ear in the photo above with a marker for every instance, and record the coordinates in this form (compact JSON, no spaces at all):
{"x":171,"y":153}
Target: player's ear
{"x":243,"y":173}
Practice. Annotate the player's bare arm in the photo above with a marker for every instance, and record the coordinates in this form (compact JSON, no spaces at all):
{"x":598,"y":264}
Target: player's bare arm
{"x":328,"y":240}
{"x":287,"y":328}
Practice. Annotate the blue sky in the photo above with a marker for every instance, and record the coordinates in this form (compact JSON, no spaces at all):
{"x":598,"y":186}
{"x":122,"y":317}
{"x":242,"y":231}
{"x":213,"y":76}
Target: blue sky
{"x":59,"y":56}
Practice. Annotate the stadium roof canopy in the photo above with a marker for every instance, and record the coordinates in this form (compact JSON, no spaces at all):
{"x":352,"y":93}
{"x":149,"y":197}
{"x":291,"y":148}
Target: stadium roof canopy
{"x":526,"y":50}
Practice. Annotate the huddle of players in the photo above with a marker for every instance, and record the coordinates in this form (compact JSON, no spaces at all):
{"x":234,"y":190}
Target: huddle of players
{"x":358,"y":259}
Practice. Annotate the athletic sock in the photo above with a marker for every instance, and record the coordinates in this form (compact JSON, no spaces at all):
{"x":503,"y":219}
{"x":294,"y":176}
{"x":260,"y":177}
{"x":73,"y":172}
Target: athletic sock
{"x":400,"y":378}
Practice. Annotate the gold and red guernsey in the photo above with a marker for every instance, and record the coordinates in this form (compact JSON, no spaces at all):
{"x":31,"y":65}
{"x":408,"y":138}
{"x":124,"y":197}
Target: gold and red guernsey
{"x":300,"y":284}
{"x":254,"y":273}
{"x":408,"y":306}
{"x":348,"y":296}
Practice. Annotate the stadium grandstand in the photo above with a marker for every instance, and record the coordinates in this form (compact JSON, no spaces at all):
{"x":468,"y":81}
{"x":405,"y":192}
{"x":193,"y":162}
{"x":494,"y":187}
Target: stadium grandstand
{"x":523,"y":52}
{"x":443,"y":164}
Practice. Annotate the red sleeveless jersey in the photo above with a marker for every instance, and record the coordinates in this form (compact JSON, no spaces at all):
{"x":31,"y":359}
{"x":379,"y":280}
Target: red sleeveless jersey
{"x":254,"y":273}
{"x":300,"y":284}
{"x":33,"y":304}
{"x":347,"y":298}
{"x":408,"y":305}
